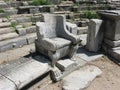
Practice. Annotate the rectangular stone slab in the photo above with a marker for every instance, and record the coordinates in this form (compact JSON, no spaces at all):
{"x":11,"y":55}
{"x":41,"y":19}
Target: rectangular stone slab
{"x":65,"y":64}
{"x":24,"y":71}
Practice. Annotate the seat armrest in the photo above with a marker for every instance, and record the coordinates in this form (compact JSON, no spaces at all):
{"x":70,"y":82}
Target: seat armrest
{"x":74,"y":38}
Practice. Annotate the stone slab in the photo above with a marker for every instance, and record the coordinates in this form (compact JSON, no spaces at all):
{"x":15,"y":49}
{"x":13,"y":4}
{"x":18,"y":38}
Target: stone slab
{"x":80,"y":79}
{"x":65,"y":64}
{"x":27,"y":69}
{"x":6,"y":84}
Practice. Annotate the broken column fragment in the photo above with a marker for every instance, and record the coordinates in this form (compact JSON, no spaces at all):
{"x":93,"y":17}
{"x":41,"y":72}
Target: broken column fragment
{"x":95,"y":35}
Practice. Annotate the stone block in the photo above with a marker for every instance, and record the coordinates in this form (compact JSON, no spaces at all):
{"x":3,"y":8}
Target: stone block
{"x":5,"y":47}
{"x":65,"y":64}
{"x":31,"y":29}
{"x":19,"y":42}
{"x":112,"y":23}
{"x":31,"y":38}
{"x":5,"y":24}
{"x":6,"y":30}
{"x":8,"y":36}
{"x":21,"y":31}
{"x":11,"y":11}
{"x":95,"y":35}
{"x":23,"y":19}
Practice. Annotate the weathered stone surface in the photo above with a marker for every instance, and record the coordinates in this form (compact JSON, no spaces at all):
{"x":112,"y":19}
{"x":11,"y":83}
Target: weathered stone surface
{"x":80,"y":79}
{"x":31,"y":38}
{"x":8,"y":36}
{"x":3,"y":4}
{"x":31,"y":29}
{"x":27,"y":69}
{"x":21,"y":31}
{"x":95,"y":35}
{"x":65,"y":64}
{"x":9,"y":11}
{"x":6,"y":84}
{"x":112,"y":23}
{"x":71,"y":27}
{"x":6,"y":30}
{"x":5,"y":24}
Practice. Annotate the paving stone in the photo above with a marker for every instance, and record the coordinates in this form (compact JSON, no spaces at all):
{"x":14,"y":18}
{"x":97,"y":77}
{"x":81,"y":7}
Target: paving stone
{"x":6,"y":84}
{"x":80,"y":79}
{"x":6,"y":30}
{"x":5,"y":24}
{"x":65,"y":64}
{"x":8,"y":36}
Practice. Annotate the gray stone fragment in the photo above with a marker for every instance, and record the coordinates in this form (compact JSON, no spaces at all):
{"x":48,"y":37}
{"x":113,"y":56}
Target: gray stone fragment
{"x":80,"y":79}
{"x":23,"y":19}
{"x":65,"y":64}
{"x":95,"y":35}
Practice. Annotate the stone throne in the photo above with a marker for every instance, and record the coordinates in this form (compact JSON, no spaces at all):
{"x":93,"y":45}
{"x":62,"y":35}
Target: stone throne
{"x":54,"y":40}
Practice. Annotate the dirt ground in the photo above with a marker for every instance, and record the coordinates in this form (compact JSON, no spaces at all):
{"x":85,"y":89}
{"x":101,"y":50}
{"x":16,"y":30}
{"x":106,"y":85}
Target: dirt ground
{"x":109,"y":80}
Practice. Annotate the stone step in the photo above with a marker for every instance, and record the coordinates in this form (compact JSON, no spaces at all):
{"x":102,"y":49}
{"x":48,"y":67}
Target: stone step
{"x":5,"y":24}
{"x":17,"y":42}
{"x":8,"y":36}
{"x":6,"y":30}
{"x":27,"y":30}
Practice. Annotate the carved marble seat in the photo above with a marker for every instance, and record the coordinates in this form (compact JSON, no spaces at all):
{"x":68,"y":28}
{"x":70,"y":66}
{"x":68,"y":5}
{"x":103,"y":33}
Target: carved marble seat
{"x":54,"y":40}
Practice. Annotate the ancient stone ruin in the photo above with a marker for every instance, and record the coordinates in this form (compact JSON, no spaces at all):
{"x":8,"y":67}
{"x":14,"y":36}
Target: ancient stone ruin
{"x":53,"y":41}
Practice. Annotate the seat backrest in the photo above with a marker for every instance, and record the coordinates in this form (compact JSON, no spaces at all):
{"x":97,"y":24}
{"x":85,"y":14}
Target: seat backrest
{"x":50,"y":25}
